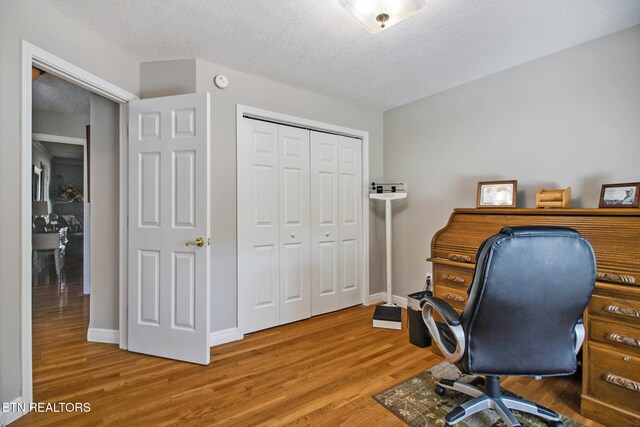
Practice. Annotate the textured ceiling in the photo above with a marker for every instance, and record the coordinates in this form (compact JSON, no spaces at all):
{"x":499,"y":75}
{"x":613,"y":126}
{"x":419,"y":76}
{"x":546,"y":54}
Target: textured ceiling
{"x":51,"y":93}
{"x":316,"y":45}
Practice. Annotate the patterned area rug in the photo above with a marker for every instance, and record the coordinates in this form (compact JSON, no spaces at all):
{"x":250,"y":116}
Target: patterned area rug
{"x":415,"y":402}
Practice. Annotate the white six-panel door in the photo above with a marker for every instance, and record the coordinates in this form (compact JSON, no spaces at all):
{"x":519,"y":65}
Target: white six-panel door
{"x":350,"y":218}
{"x":299,"y":213}
{"x":336,"y":207}
{"x":168,"y":297}
{"x":295,"y":292}
{"x":258,"y":230}
{"x":325,"y":227}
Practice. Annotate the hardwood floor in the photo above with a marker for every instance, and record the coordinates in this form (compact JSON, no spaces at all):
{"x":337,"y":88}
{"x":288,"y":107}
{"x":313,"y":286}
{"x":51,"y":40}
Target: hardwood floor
{"x":321,"y":371}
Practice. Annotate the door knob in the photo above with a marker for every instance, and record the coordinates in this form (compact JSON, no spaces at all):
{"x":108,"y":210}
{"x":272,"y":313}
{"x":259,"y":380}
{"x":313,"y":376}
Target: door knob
{"x":293,"y":235}
{"x":199,"y":242}
{"x":326,"y":233}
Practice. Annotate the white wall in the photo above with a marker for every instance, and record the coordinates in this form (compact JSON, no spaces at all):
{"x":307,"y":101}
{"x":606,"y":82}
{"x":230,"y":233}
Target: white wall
{"x":166,"y":78}
{"x":63,"y":124}
{"x":105,"y":190}
{"x":38,"y":23}
{"x":568,"y":119}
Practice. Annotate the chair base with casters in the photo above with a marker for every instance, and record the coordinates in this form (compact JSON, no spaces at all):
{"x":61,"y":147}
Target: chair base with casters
{"x":492,"y":398}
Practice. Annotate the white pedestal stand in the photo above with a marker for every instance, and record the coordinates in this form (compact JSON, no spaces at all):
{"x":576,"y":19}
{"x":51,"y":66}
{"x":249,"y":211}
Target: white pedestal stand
{"x":388,"y":315}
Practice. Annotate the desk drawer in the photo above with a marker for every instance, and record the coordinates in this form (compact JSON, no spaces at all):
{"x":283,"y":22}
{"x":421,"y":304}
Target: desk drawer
{"x":614,"y":377}
{"x":455,"y":296}
{"x":624,"y":310}
{"x":618,"y":336}
{"x":452,"y":276}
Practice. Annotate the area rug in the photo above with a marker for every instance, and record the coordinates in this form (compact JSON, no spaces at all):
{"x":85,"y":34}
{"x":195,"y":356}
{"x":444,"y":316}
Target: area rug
{"x":415,"y":402}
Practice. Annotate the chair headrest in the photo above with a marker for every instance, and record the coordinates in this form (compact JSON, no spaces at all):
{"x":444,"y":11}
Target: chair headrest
{"x":532,"y":230}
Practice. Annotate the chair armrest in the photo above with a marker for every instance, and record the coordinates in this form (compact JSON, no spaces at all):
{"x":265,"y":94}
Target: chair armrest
{"x":446,"y":311}
{"x":452,"y":322}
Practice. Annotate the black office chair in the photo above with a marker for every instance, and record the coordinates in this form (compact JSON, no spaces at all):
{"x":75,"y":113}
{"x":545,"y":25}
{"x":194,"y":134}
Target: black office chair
{"x":523,"y":318}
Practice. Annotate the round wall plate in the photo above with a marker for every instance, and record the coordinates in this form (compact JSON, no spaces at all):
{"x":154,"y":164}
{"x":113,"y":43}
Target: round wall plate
{"x":221,"y":81}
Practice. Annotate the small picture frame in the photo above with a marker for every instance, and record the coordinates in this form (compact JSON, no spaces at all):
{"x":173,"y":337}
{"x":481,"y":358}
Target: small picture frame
{"x":624,"y":195}
{"x":497,"y":194}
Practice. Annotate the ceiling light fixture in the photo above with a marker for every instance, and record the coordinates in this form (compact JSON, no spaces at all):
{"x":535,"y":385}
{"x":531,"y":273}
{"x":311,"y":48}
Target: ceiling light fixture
{"x":377,"y":15}
{"x":36,"y":73}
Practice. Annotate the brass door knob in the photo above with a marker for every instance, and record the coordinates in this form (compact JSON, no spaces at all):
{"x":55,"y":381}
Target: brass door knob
{"x":199,"y":242}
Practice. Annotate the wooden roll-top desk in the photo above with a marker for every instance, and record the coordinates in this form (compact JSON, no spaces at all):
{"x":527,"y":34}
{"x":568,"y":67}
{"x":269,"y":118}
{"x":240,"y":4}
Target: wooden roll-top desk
{"x":611,"y":351}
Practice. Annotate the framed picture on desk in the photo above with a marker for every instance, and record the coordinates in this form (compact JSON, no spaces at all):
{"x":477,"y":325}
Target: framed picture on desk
{"x":497,"y":194}
{"x":626,"y":195}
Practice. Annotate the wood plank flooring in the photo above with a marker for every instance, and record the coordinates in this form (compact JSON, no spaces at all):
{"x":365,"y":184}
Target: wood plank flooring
{"x":321,"y":371}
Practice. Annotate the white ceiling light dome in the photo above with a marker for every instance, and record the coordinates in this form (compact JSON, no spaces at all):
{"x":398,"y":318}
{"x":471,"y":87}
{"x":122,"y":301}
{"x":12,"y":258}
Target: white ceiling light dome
{"x":376,"y":15}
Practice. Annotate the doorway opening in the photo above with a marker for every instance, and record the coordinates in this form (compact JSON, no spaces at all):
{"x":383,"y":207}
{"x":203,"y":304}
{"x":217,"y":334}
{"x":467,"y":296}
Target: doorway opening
{"x":34,"y":187}
{"x":61,"y":219}
{"x":61,"y":222}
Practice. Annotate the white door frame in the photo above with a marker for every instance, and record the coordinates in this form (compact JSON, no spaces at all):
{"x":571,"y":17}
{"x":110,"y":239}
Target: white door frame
{"x":284,"y":119}
{"x":86,"y":225}
{"x":35,"y":56}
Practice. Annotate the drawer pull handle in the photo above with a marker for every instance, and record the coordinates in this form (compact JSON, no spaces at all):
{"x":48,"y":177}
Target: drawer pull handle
{"x":452,"y":278}
{"x":612,"y":336}
{"x":616,"y":278}
{"x":623,"y":311}
{"x":453,"y":297}
{"x":622,"y":382}
{"x":459,"y":258}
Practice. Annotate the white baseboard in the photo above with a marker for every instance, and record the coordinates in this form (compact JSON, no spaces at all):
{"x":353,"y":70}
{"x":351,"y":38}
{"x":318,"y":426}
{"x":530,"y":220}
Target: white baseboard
{"x":110,"y":336}
{"x":376,"y":298}
{"x":7,"y":418}
{"x":224,"y":336}
{"x":107,"y":336}
{"x":400,"y":301}
{"x":380,"y":297}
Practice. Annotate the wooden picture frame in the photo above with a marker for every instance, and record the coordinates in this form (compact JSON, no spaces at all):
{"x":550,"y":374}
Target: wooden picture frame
{"x":623,"y":195}
{"x":497,"y":194}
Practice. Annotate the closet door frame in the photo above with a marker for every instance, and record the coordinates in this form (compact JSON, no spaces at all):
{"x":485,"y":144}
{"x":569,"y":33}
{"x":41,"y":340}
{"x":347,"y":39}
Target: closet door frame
{"x":243,"y":111}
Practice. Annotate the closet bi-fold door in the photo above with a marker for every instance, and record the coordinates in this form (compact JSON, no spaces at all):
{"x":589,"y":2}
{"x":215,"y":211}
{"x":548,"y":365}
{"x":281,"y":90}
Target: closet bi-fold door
{"x":295,"y":285}
{"x":273,"y":233}
{"x":324,"y":223}
{"x":336,"y":211}
{"x":258,"y":230}
{"x":350,"y":220}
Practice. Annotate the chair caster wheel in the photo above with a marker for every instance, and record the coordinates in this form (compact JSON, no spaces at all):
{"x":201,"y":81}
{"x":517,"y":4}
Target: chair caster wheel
{"x":440,"y":391}
{"x":556,"y":424}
